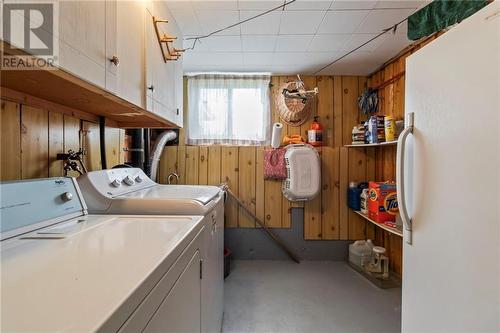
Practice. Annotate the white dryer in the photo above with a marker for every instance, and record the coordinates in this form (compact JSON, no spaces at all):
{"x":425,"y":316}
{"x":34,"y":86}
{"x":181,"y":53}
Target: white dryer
{"x":131,"y":191}
{"x":64,"y":270}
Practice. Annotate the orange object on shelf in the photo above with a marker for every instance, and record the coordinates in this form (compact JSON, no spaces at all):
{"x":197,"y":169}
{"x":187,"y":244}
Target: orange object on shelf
{"x":292,"y":139}
{"x":315,"y":133}
{"x":382,"y":202}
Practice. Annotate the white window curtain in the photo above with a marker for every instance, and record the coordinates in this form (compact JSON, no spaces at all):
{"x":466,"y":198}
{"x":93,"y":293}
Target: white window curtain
{"x":228,"y":110}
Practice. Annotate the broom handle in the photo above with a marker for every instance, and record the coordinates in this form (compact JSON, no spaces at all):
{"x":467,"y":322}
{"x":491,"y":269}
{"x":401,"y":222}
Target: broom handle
{"x":276,"y":239}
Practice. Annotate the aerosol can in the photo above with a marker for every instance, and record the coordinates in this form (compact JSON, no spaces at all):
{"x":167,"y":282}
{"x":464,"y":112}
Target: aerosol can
{"x":315,"y":133}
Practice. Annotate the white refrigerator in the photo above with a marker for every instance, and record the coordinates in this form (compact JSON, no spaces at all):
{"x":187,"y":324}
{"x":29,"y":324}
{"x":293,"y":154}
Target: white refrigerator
{"x":448,"y":177}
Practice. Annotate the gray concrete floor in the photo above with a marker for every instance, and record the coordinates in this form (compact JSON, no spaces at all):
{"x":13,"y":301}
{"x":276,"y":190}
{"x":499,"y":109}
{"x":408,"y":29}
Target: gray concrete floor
{"x":313,"y":296}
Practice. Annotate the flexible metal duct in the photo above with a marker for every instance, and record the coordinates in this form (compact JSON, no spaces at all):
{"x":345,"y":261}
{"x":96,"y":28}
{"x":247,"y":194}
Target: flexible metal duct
{"x":161,"y":141}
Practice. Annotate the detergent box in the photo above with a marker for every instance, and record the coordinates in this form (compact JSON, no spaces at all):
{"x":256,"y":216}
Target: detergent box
{"x":382,"y":202}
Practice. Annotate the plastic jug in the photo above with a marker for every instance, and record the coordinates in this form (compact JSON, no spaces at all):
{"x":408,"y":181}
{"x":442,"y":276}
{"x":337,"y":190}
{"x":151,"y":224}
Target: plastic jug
{"x":360,"y":252}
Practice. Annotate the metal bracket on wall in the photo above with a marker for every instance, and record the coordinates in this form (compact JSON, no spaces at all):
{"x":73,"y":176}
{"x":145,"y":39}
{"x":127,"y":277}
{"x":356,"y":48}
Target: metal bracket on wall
{"x":168,"y":51}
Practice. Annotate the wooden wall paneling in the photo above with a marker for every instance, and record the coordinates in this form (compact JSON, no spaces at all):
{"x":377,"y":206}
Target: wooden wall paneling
{"x":343,"y":185}
{"x":357,"y":173}
{"x":229,"y":175}
{"x":246,"y":185}
{"x":312,"y":215}
{"x":337,"y":111}
{"x":56,"y":143}
{"x":181,"y":164}
{"x":325,"y":108}
{"x":168,"y":164}
{"x":273,"y":203}
{"x":388,"y":92}
{"x":10,"y":137}
{"x":330,"y":193}
{"x":214,"y":165}
{"x":113,"y":146}
{"x":259,"y":184}
{"x":203,"y":168}
{"x":34,"y":143}
{"x":192,"y":165}
{"x":90,"y":143}
{"x":122,"y":145}
{"x":350,"y":114}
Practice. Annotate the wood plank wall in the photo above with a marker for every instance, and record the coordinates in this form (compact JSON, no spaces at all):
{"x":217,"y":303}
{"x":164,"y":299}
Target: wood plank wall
{"x":327,"y":216}
{"x":31,"y":137}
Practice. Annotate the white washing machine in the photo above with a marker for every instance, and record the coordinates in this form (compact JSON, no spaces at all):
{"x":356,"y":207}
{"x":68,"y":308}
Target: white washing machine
{"x":64,"y":270}
{"x":130,"y":191}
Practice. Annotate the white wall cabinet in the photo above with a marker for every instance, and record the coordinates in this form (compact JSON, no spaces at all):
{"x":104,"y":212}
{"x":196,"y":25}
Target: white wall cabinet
{"x":92,"y":33}
{"x":162,"y":79}
{"x":82,"y":39}
{"x":125,"y":44}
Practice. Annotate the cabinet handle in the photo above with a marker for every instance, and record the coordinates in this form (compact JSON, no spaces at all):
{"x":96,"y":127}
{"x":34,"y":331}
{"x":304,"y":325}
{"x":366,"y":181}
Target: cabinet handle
{"x":115,"y":60}
{"x":151,"y":87}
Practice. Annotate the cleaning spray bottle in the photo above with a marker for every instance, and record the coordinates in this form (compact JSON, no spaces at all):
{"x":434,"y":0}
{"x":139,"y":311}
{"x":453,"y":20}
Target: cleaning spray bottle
{"x":315,"y":133}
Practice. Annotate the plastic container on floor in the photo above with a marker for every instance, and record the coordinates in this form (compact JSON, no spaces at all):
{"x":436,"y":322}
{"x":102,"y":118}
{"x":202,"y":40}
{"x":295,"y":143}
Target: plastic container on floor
{"x":360,"y":252}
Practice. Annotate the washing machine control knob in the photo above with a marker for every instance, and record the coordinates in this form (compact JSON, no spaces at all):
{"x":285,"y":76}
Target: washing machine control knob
{"x":116,"y":183}
{"x":128,"y":180}
{"x":66,"y":196}
{"x":138,"y":179}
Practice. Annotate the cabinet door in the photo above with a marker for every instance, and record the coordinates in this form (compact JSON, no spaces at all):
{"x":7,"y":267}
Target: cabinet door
{"x":82,"y":26}
{"x":180,"y":310}
{"x":125,"y":41}
{"x":160,"y":75}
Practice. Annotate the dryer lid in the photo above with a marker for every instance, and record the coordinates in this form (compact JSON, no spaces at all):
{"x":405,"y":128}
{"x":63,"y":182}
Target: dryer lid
{"x":201,"y":194}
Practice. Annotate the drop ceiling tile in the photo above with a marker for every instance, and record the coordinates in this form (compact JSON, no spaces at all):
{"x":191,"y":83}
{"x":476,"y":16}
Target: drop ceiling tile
{"x":187,"y":21}
{"x":380,"y":19}
{"x":391,"y":46}
{"x":357,"y":40}
{"x":258,"y":58}
{"x":329,"y":42}
{"x":342,"y":21}
{"x":358,"y":63}
{"x":213,"y":59}
{"x":265,"y":25}
{"x":293,"y":43}
{"x":309,"y":5}
{"x":414,"y":4}
{"x":300,"y":22}
{"x":354,"y":4}
{"x":216,"y":5}
{"x":217,"y":44}
{"x":179,"y":4}
{"x":211,"y":20}
{"x":258,"y":43}
{"x":290,"y":58}
{"x":258,"y":5}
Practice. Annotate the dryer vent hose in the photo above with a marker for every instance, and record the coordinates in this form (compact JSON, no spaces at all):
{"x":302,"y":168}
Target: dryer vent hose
{"x":161,"y":141}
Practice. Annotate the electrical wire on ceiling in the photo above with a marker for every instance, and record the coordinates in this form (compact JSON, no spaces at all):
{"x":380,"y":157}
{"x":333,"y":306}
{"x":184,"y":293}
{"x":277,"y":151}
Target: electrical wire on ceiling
{"x":392,"y":28}
{"x":198,"y":38}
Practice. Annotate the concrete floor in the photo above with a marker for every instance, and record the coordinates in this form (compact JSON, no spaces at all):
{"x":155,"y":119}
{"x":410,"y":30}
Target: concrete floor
{"x":313,"y":296}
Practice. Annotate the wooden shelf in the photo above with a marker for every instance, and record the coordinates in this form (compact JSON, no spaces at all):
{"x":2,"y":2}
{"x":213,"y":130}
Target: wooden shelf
{"x":389,"y":143}
{"x":395,"y":231}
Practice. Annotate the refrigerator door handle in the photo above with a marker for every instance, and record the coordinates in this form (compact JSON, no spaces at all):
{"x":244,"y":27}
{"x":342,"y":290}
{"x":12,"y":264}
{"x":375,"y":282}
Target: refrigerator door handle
{"x":400,"y":178}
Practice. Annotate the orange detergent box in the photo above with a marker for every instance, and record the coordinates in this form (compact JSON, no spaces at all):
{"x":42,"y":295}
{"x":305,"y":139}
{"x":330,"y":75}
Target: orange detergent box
{"x":382,"y":202}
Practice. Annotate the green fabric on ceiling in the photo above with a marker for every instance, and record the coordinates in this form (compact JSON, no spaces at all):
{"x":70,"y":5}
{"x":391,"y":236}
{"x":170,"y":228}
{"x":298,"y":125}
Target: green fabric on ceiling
{"x":440,"y":14}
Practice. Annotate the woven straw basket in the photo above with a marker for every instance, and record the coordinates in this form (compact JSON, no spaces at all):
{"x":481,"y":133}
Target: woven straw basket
{"x":291,"y":110}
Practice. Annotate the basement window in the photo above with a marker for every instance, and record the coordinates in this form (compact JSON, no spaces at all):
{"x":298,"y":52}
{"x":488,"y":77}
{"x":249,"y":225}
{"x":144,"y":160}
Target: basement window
{"x":228,"y":110}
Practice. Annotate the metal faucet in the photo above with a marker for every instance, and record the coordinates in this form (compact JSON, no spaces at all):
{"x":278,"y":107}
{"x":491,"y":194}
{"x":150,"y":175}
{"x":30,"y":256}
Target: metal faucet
{"x":171,"y":176}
